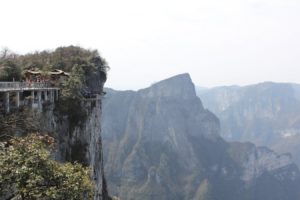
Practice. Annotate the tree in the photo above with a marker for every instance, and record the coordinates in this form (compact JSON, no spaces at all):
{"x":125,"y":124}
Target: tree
{"x":71,"y":98}
{"x":74,"y":85}
{"x":28,"y":173}
{"x":10,"y":71}
{"x":17,"y":123}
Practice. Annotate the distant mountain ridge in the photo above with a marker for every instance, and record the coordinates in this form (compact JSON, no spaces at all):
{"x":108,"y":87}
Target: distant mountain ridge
{"x":161,"y":143}
{"x":266,"y":113}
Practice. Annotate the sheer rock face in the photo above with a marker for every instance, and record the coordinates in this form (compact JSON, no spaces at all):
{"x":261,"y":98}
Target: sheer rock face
{"x":179,"y":86}
{"x":160,"y":143}
{"x":81,"y":143}
{"x":266,"y":114}
{"x":262,"y":160}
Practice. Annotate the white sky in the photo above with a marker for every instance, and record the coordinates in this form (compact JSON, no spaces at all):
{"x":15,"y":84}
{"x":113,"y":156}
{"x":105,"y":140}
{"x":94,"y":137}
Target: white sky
{"x":219,"y":42}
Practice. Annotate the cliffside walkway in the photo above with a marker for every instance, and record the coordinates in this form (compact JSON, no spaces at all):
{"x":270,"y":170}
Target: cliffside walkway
{"x":25,"y":86}
{"x":39,"y":92}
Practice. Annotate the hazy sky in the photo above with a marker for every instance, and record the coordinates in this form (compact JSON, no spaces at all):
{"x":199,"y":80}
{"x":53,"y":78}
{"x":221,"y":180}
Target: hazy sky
{"x":219,"y":42}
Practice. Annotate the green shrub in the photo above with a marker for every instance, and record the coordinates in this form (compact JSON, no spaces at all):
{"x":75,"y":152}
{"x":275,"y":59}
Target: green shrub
{"x":28,"y":173}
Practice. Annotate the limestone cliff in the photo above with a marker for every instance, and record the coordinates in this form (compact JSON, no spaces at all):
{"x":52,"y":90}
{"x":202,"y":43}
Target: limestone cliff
{"x":161,"y":144}
{"x":266,"y":114}
{"x":80,"y":142}
{"x":73,"y":118}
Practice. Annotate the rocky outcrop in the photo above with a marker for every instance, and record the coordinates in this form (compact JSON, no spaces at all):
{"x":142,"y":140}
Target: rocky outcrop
{"x":262,"y":160}
{"x":266,"y":114}
{"x":255,"y":161}
{"x":80,"y":142}
{"x":74,"y":119}
{"x":161,"y":143}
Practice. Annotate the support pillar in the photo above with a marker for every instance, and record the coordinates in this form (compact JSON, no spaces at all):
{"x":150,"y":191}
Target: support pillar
{"x":32,"y":99}
{"x":7,"y":108}
{"x":39,"y":93}
{"x":18,"y":99}
{"x":57,"y":93}
{"x":51,"y":96}
{"x":46,"y":95}
{"x":54,"y":95}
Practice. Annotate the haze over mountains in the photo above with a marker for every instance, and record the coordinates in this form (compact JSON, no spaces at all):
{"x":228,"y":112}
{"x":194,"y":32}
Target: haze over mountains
{"x":266,"y":114}
{"x":161,"y":143}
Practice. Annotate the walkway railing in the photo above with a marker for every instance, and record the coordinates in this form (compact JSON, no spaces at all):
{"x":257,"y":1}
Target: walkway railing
{"x":19,"y":86}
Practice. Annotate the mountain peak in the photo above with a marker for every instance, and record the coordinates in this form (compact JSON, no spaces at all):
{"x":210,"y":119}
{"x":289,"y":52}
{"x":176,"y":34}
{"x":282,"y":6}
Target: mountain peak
{"x":179,"y":85}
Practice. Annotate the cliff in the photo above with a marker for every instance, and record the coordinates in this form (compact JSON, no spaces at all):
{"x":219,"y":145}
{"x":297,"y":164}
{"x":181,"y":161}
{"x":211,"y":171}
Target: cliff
{"x":81,"y":141}
{"x":73,"y":117}
{"x":161,"y":143}
{"x":266,"y":114}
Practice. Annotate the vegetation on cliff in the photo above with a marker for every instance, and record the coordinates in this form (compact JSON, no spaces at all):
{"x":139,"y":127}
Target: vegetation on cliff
{"x":82,"y":64}
{"x":63,"y":58}
{"x":26,"y":163}
{"x":28,"y":172}
{"x":9,"y":70}
{"x":17,"y":124}
{"x":83,"y":67}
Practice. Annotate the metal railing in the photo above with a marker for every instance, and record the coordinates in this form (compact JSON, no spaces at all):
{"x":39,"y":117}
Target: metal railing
{"x":23,"y":85}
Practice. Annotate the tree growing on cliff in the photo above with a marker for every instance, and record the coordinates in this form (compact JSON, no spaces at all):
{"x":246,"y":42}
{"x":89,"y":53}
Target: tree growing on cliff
{"x":9,"y":71}
{"x":73,"y":86}
{"x":17,"y":123}
{"x":71,"y":98}
{"x":28,"y":172}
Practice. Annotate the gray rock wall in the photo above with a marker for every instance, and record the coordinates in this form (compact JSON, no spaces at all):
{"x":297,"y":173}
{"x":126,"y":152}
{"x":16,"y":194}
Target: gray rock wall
{"x":161,"y":144}
{"x":83,"y":144}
